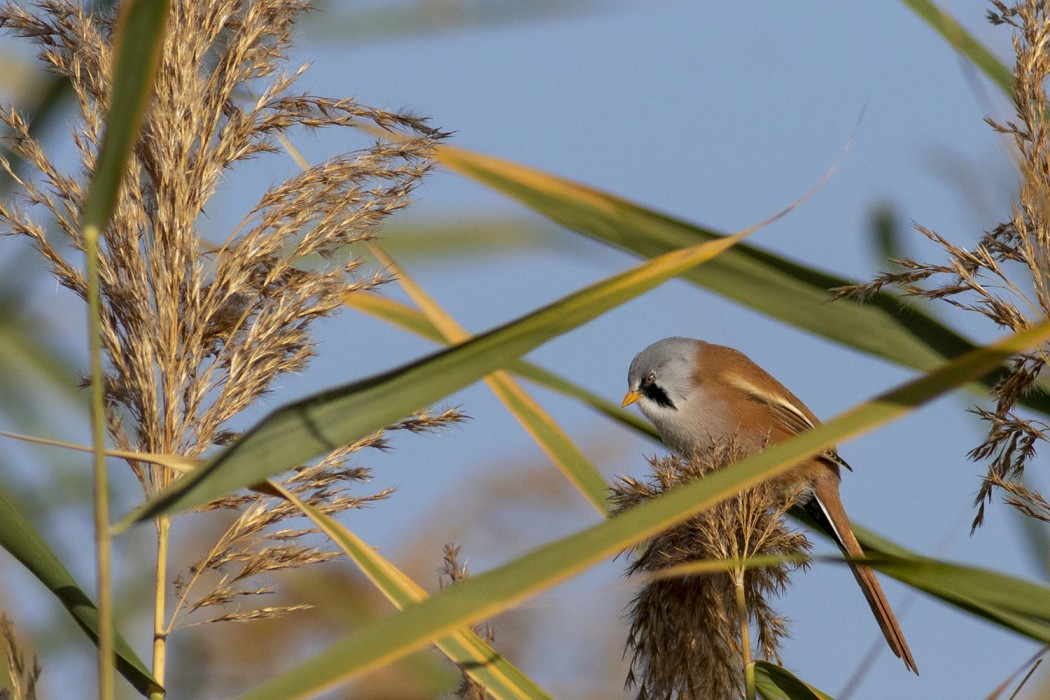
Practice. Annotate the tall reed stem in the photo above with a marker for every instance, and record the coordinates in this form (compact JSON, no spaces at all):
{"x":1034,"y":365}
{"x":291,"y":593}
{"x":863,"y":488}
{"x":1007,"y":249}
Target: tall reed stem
{"x":160,"y":630}
{"x":745,"y":632}
{"x":103,"y":544}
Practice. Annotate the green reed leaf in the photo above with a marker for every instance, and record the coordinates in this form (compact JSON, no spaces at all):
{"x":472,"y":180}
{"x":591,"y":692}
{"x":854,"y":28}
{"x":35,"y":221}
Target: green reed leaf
{"x":488,"y":593}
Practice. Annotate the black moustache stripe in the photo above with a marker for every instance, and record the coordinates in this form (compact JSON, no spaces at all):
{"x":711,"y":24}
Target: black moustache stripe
{"x":658,"y":395}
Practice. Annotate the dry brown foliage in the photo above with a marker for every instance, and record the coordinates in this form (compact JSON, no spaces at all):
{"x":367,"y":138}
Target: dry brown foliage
{"x":22,"y":673}
{"x":452,"y":572}
{"x":1005,"y":277}
{"x":196,"y":331}
{"x":685,"y":636}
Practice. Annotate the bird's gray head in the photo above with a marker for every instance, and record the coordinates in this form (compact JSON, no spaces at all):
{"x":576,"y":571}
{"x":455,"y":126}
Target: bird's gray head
{"x":661,"y":376}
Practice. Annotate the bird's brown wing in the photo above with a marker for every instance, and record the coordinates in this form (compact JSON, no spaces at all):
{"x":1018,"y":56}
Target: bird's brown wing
{"x":791,"y":417}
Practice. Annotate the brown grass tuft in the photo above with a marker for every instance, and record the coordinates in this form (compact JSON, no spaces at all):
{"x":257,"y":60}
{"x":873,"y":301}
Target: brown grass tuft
{"x":22,"y":675}
{"x":195,"y":332}
{"x":452,"y":572}
{"x":1006,"y":276}
{"x":689,"y":637}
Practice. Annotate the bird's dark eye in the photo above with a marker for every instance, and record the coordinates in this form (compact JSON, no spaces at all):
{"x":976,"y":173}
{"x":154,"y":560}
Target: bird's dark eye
{"x":653,"y":392}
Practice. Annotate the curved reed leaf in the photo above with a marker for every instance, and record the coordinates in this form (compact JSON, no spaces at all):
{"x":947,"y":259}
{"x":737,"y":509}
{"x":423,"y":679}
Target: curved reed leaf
{"x":1019,"y":605}
{"x":777,"y":683}
{"x":139,"y":30}
{"x":304,"y":429}
{"x":465,"y":648}
{"x":26,"y":545}
{"x":541,"y":427}
{"x":404,"y":316}
{"x":487,"y":593}
{"x":138,"y":37}
{"x":964,"y":42}
{"x":885,"y":325}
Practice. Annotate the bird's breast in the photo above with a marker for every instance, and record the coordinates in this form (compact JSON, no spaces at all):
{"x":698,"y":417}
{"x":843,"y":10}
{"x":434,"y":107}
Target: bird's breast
{"x":704,"y":419}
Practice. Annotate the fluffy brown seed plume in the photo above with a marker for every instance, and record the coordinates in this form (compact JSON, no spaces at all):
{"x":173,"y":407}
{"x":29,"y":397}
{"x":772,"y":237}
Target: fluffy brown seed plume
{"x":22,"y":674}
{"x":1005,"y":277}
{"x":686,"y":630}
{"x":195,"y":331}
{"x":452,"y":572}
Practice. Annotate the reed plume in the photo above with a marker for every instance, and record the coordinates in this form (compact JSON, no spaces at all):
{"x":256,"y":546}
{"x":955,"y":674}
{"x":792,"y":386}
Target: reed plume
{"x":1005,"y":277}
{"x":195,"y":331}
{"x":23,"y":671}
{"x":452,"y":572}
{"x":690,"y":634}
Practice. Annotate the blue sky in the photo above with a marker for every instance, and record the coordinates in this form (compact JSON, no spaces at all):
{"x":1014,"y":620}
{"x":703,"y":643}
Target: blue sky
{"x":721,"y":114}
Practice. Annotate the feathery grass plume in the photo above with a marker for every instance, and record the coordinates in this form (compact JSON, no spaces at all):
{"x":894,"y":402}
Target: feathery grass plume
{"x":1006,"y":276}
{"x":689,"y":637}
{"x":195,"y":331}
{"x":255,"y":543}
{"x":22,"y":676}
{"x":452,"y":572}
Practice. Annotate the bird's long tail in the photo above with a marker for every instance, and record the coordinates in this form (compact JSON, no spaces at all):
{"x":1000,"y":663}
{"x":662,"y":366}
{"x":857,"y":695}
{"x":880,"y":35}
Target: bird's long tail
{"x":825,"y":507}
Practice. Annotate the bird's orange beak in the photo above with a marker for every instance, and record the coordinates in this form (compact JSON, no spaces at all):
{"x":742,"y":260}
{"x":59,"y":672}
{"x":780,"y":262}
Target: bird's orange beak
{"x":632,"y":397}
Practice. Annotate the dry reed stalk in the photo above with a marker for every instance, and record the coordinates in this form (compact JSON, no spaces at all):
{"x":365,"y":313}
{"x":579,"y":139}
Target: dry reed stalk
{"x":452,"y":572}
{"x":1005,"y":277}
{"x":688,"y":633}
{"x":195,"y":332}
{"x":23,"y":676}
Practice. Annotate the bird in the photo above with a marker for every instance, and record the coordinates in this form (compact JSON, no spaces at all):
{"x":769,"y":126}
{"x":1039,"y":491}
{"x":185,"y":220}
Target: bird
{"x":698,"y":394}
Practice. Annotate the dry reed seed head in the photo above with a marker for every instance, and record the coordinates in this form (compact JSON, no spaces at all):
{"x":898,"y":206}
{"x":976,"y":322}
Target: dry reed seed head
{"x":1029,"y":502}
{"x":684,"y":637}
{"x":195,"y":332}
{"x":1005,"y":277}
{"x":245,"y":550}
{"x":23,"y":672}
{"x":192,"y":335}
{"x":451,"y":573}
{"x":267,"y":613}
{"x":241,"y":553}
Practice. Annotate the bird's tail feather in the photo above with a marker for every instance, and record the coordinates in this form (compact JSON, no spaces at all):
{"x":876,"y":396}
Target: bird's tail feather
{"x":880,"y":607}
{"x":824,"y":506}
